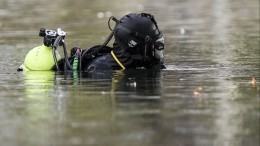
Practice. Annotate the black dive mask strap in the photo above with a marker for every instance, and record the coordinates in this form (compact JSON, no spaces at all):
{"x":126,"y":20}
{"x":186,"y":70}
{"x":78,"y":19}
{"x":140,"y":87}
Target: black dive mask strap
{"x":135,"y":34}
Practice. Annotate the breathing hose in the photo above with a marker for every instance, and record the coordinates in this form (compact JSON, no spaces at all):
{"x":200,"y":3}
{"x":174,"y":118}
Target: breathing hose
{"x":91,"y":53}
{"x":59,"y":40}
{"x":55,"y":58}
{"x":66,"y":56}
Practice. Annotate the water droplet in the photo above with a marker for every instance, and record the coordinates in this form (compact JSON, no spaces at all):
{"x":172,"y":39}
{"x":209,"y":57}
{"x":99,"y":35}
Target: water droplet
{"x":100,"y":15}
{"x":198,"y":91}
{"x":253,"y":81}
{"x":182,"y":31}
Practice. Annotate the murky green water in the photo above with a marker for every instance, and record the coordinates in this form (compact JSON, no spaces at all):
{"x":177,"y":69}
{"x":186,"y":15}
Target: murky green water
{"x":203,"y":98}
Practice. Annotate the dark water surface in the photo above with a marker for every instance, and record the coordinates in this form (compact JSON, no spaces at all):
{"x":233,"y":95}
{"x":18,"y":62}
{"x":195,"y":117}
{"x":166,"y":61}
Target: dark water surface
{"x":205,"y":96}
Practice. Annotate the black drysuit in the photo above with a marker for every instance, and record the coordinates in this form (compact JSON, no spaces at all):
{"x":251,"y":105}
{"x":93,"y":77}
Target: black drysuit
{"x":103,"y":59}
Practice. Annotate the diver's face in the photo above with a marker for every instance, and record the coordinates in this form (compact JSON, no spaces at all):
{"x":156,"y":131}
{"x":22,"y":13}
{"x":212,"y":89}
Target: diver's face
{"x":153,"y":50}
{"x":158,"y":49}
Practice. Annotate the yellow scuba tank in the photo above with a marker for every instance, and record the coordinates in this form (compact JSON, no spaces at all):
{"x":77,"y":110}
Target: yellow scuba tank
{"x":40,"y":59}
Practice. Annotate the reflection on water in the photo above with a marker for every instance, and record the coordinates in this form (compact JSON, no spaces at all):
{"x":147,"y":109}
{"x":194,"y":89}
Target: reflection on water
{"x":205,"y":96}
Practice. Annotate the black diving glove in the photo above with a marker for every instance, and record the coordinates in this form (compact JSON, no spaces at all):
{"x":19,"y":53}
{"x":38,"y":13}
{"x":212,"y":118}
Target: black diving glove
{"x":157,"y":65}
{"x":151,"y":63}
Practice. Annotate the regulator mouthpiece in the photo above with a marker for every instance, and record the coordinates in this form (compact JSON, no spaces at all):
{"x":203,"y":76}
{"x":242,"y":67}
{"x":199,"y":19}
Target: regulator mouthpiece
{"x":49,"y":36}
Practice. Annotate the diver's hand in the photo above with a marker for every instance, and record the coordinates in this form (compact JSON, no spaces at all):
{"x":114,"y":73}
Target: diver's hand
{"x":158,"y":66}
{"x":154,"y":64}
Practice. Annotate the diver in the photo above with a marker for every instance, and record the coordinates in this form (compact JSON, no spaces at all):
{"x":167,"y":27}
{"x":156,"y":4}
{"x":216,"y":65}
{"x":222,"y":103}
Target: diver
{"x":138,"y":43}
